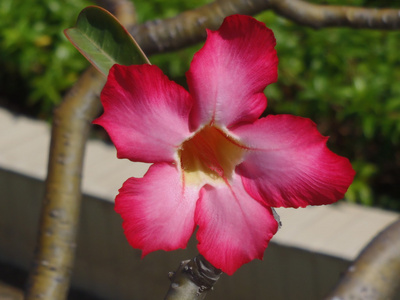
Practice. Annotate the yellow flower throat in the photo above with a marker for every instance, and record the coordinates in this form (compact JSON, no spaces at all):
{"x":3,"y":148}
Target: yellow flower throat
{"x":211,"y":155}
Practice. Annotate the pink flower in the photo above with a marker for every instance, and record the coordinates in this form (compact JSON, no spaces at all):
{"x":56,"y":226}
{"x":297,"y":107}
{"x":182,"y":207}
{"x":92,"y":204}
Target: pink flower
{"x":215,"y":164}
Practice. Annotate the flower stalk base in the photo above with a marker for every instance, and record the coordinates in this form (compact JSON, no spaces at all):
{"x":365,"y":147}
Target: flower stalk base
{"x":192,"y":280}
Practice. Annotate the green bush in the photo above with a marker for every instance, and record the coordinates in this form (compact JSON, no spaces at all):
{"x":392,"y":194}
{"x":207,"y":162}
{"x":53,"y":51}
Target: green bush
{"x":37,"y":61}
{"x":346,"y":80}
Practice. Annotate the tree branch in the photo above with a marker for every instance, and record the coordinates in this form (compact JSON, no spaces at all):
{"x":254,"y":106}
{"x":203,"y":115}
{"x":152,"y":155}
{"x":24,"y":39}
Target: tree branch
{"x":50,"y":274}
{"x":124,"y":10}
{"x":52,"y":266}
{"x":375,"y":273}
{"x":319,"y":16}
{"x":188,"y":27}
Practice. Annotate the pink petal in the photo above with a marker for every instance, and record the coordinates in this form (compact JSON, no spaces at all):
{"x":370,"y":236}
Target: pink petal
{"x":145,"y":114}
{"x":158,"y":211}
{"x":228,"y":75}
{"x":290,"y":164}
{"x":233,"y":227}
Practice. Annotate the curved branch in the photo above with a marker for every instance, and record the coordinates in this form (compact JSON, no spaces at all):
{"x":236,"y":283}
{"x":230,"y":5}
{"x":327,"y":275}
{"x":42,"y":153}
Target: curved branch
{"x":375,"y":273}
{"x":318,"y":16}
{"x":52,"y":265}
{"x":49,"y":277}
{"x":188,"y":27}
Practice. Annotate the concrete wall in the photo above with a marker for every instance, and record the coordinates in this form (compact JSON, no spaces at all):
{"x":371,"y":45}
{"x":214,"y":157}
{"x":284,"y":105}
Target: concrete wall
{"x":304,"y":260}
{"x":108,"y":267}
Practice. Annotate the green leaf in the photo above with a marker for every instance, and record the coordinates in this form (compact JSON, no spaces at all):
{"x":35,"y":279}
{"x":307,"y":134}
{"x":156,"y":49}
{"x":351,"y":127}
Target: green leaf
{"x":103,"y":40}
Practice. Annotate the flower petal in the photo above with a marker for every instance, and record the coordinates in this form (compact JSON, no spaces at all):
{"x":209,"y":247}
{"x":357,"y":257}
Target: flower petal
{"x":290,"y":164}
{"x":233,"y":227}
{"x":158,"y":211}
{"x":228,"y":75}
{"x":145,"y":114}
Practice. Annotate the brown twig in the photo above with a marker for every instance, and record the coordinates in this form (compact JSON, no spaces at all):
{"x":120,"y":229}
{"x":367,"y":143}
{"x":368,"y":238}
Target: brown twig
{"x":125,"y":10}
{"x":188,"y":27}
{"x":375,"y":273}
{"x":319,"y":16}
{"x":49,"y":278}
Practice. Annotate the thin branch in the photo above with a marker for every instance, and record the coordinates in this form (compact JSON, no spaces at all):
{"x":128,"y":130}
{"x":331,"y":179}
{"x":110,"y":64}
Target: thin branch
{"x":319,"y":16}
{"x":50,"y":274}
{"x":376,"y":272}
{"x":123,"y":9}
{"x":192,"y":280}
{"x":188,"y":27}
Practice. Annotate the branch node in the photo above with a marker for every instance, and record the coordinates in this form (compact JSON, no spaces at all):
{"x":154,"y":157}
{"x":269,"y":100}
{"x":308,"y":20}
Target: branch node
{"x":193,"y":279}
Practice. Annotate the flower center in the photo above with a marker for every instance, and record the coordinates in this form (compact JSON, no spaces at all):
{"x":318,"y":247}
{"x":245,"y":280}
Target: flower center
{"x":211,"y":155}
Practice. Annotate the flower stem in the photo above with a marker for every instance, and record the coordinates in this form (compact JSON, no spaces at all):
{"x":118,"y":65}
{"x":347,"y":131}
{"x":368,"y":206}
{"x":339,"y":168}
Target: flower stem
{"x":192,"y":280}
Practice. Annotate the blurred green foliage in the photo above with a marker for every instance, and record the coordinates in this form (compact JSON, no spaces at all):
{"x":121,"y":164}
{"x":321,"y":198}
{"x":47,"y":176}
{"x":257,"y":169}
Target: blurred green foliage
{"x":37,"y":62}
{"x":346,"y":80}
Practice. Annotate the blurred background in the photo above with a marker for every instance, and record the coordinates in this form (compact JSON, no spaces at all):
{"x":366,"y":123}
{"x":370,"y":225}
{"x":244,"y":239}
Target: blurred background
{"x":345,"y":80}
